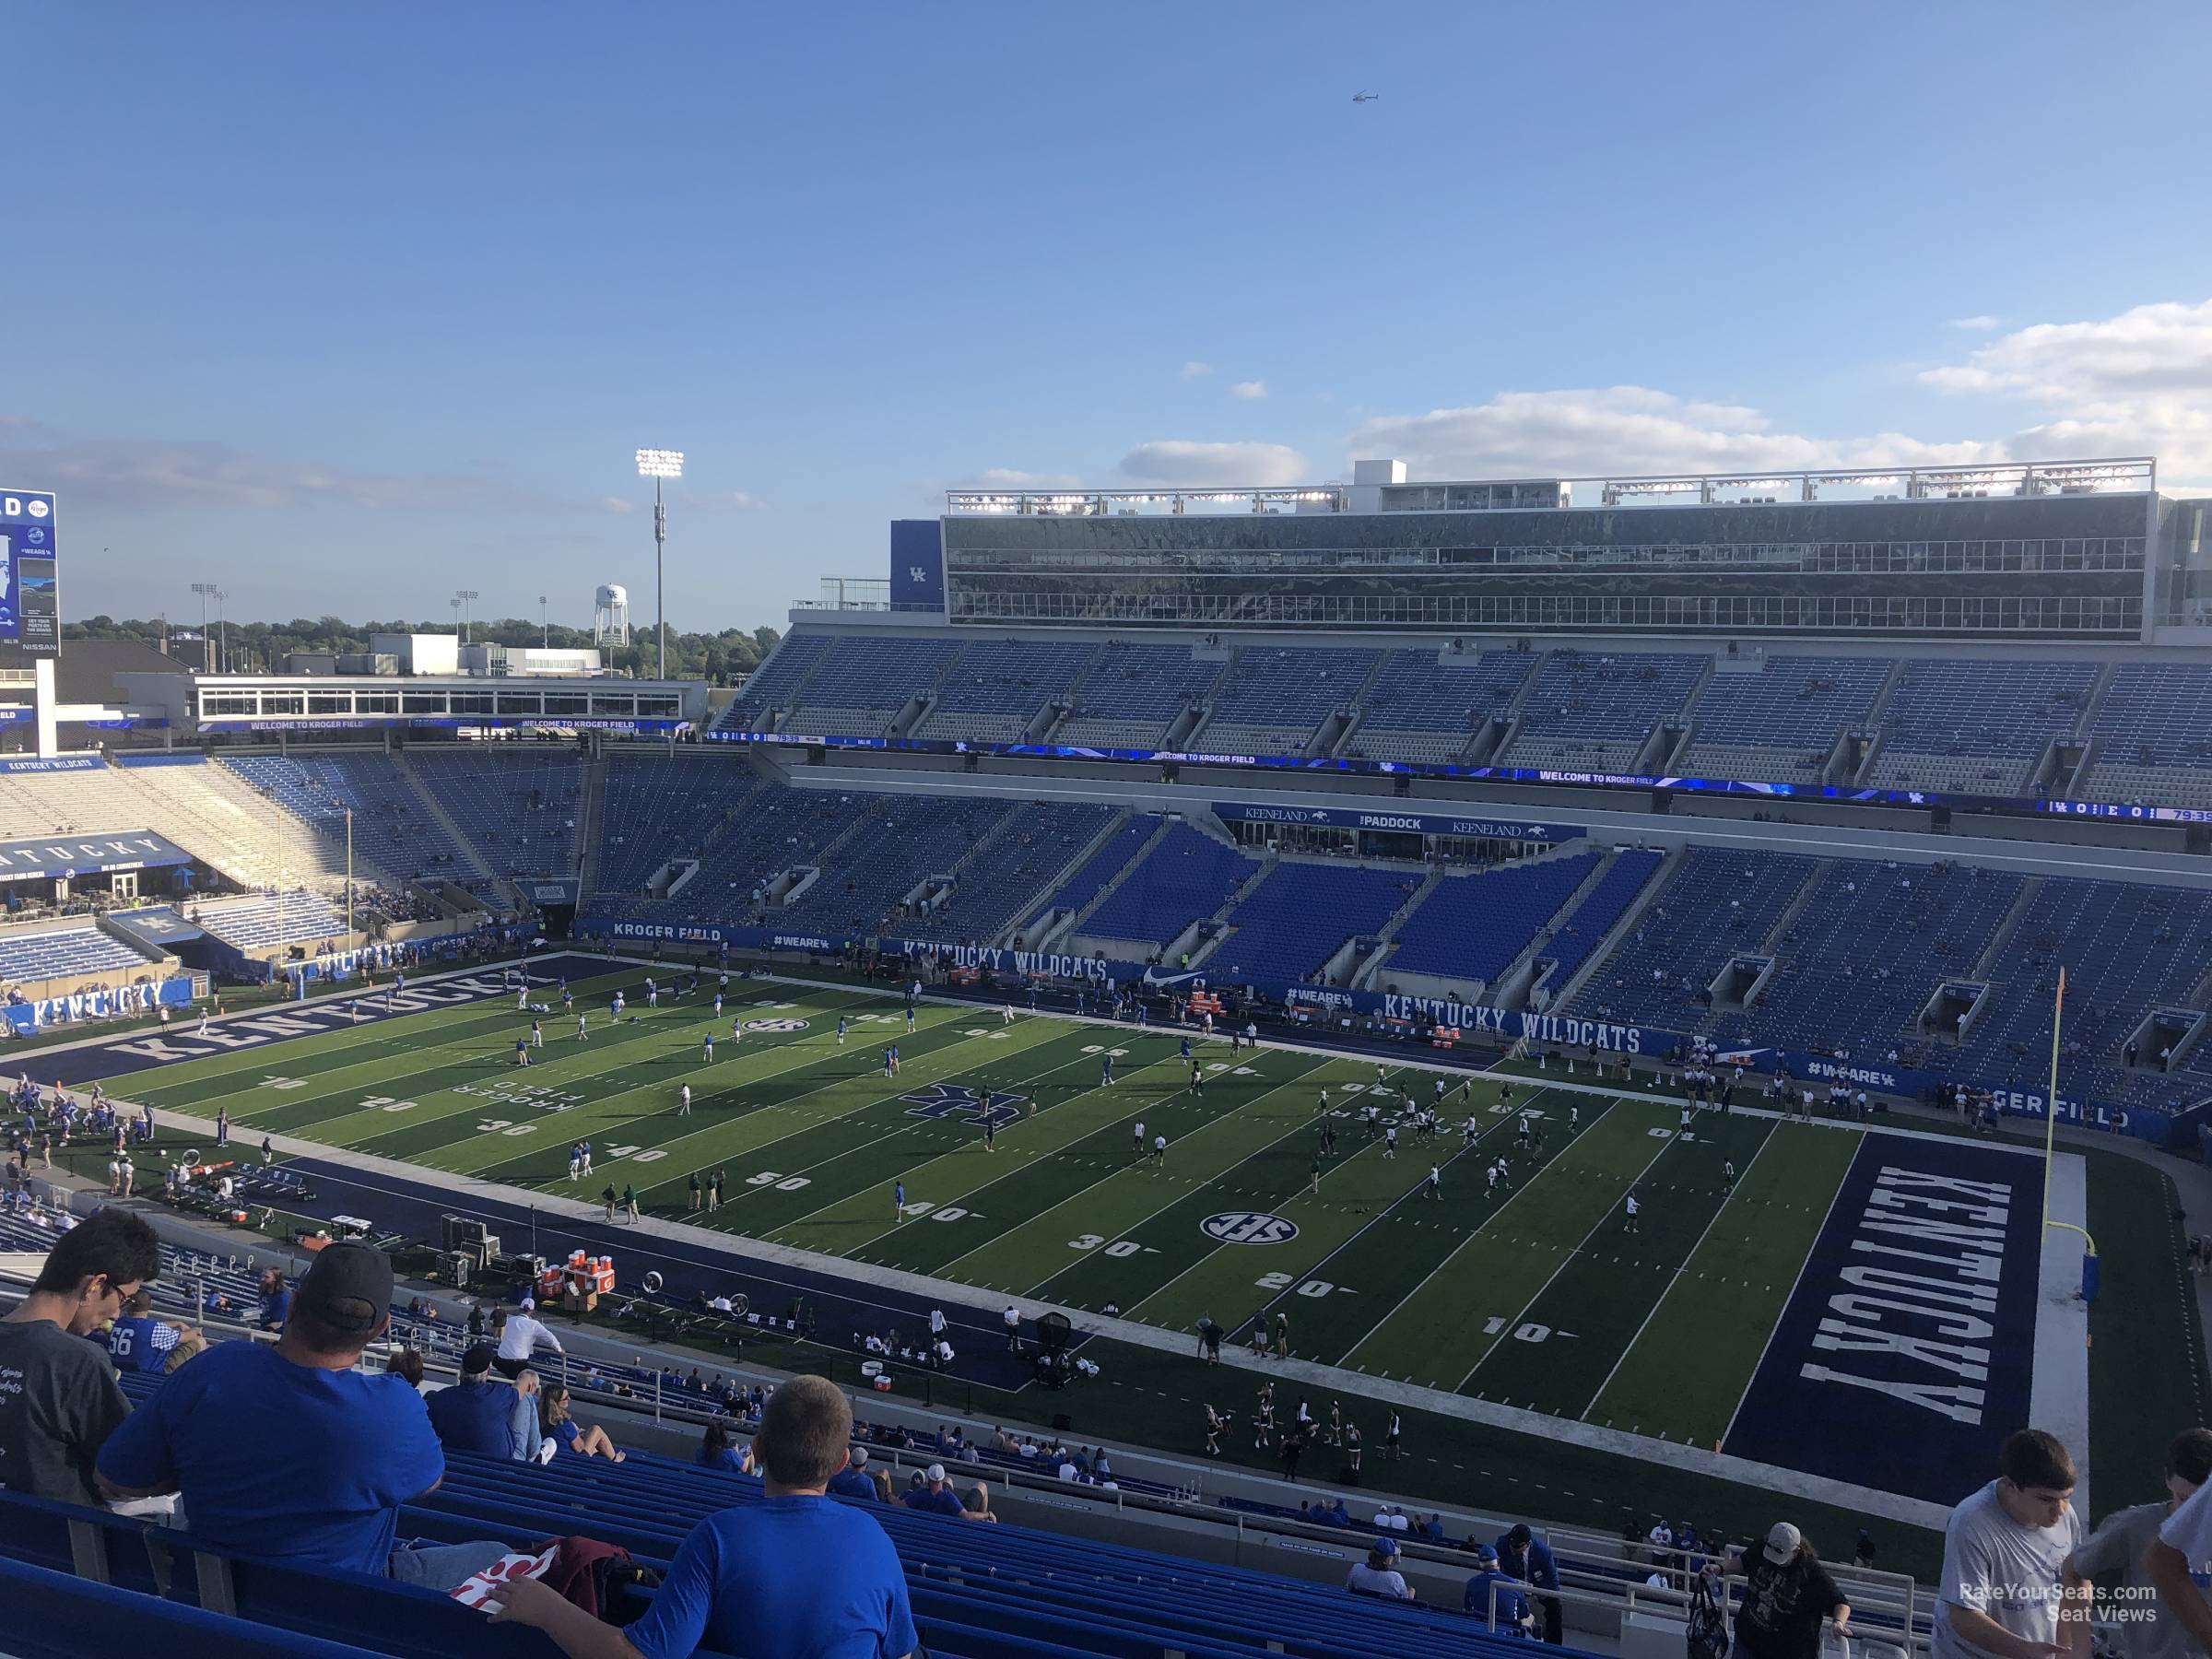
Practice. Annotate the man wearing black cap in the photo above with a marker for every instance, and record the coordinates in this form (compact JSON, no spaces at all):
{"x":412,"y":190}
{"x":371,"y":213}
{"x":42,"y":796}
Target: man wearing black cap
{"x":486,"y":1414}
{"x":287,"y":1453}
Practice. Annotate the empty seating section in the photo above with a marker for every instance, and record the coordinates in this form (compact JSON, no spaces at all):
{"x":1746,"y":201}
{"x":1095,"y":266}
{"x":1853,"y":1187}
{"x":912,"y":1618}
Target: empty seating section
{"x":1420,"y":707}
{"x":1468,"y":929}
{"x":1104,"y":864}
{"x":1297,"y":914}
{"x":2153,"y":736}
{"x":394,"y":827}
{"x":1783,"y":722}
{"x":773,"y":683}
{"x":996,"y":687}
{"x":1185,"y":877}
{"x":1598,"y":710}
{"x":254,"y":924}
{"x":2127,"y":948}
{"x":865,"y":680}
{"x":1132,"y":694}
{"x":42,"y":955}
{"x":1002,"y":881}
{"x":771,"y":831}
{"x":519,"y":808}
{"x":1859,"y":962}
{"x":1976,"y":727}
{"x":902,"y":840}
{"x":250,"y":836}
{"x":1273,"y":700}
{"x":1587,"y":925}
{"x":653,"y":810}
{"x":1719,"y":903}
{"x":75,"y":803}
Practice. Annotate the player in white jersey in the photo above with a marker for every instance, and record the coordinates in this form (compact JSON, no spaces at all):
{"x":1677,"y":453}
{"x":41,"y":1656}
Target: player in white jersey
{"x":537,"y":1035}
{"x":1006,"y":1014}
{"x":1505,"y":1175}
{"x":1140,"y":1137}
{"x":1492,"y":1173}
{"x":1469,"y":1131}
{"x":1324,"y":1100}
{"x":1436,"y":1181}
{"x":1632,"y":1207}
{"x":652,"y":993}
{"x":580,"y":1035}
{"x":1379,"y":1087}
{"x":1390,"y":1141}
{"x":685,"y":1110}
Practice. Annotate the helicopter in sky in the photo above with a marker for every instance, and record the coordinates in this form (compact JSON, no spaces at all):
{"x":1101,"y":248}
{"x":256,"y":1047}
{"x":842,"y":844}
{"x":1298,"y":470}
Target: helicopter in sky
{"x":1365,"y":96}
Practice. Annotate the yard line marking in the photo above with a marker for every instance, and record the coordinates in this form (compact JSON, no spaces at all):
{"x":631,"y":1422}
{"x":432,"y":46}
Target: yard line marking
{"x":1512,"y":1323}
{"x":1757,"y":1364}
{"x":1479,"y":1228}
{"x":1508,"y":1121}
{"x":1741,"y":1181}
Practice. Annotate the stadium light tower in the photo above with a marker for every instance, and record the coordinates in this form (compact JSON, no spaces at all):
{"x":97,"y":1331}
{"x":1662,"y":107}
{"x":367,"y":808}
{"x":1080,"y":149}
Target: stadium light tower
{"x":460,"y":597}
{"x":205,"y":590}
{"x":658,"y":464}
{"x":545,"y":633}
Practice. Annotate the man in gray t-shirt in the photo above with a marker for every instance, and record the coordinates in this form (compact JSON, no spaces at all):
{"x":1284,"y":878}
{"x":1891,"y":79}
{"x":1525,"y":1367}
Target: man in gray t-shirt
{"x":59,"y":1400}
{"x":2004,"y":1558}
{"x":2144,"y":1625}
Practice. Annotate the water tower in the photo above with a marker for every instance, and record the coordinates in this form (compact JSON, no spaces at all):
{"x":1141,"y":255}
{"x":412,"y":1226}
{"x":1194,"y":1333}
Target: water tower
{"x":610,"y":614}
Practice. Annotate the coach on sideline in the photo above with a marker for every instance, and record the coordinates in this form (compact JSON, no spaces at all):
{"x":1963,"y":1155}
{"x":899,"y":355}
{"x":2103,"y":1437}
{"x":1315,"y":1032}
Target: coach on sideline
{"x":796,"y":1575}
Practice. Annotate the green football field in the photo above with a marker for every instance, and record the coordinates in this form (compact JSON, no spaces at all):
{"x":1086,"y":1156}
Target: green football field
{"x":1534,"y":1294}
{"x":1531,"y":1294}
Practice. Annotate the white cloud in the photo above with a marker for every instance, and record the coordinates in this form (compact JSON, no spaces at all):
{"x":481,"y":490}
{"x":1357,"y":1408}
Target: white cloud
{"x":2137,"y":383}
{"x":617,"y":504}
{"x":1974,"y":324}
{"x":1249,"y":389}
{"x":1623,"y":429}
{"x":1193,"y":369}
{"x":1182,"y":461}
{"x":726,"y":500}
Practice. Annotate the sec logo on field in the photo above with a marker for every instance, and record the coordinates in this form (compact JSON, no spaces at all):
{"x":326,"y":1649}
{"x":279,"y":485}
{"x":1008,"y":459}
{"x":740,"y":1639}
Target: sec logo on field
{"x":776,"y":1024}
{"x":1248,"y":1227}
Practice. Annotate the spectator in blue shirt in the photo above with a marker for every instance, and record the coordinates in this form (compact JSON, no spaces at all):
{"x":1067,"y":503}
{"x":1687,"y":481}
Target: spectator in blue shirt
{"x":138,"y":1342}
{"x":485,"y":1413}
{"x":1514,"y":1617}
{"x":276,"y":1300}
{"x":717,"y":1452}
{"x":853,"y":1480}
{"x":285,"y":1452}
{"x":935,"y":1496}
{"x":792,"y":1576}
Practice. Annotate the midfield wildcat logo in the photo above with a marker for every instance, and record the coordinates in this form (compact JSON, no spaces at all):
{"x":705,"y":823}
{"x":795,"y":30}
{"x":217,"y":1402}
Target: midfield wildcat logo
{"x":1248,"y":1227}
{"x":776,"y":1024}
{"x":956,"y":1099}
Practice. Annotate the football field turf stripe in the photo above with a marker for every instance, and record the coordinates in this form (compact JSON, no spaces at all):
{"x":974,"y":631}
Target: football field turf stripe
{"x":1358,"y":1197}
{"x":1694,"y":1362}
{"x":1021,"y":1217}
{"x":1082,"y":1135}
{"x":852,"y":1159}
{"x":850,"y":1100}
{"x":1593,"y":1307}
{"x":1439,"y":1333}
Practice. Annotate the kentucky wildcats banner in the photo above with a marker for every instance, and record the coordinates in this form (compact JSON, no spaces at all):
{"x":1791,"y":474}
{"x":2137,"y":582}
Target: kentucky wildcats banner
{"x":29,"y":1017}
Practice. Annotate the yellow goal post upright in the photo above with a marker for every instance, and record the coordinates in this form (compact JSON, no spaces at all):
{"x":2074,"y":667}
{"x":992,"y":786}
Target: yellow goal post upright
{"x":2088,"y":1244}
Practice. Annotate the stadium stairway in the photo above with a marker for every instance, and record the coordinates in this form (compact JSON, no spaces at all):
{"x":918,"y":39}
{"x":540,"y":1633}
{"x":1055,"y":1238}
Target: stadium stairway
{"x":479,"y":868}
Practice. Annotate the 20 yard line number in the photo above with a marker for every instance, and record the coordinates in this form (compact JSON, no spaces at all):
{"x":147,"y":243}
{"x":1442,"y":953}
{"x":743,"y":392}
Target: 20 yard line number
{"x":1313,"y":1287}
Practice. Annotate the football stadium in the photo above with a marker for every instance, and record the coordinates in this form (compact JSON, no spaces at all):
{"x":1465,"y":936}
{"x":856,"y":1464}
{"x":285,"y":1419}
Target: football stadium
{"x":1568,"y":1050}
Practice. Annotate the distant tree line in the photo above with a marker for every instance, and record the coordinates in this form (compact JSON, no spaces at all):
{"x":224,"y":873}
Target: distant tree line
{"x":261,"y":647}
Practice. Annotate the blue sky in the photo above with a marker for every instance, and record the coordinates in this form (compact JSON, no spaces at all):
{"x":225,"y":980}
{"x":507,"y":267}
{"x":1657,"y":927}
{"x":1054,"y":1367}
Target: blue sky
{"x":346,"y":307}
